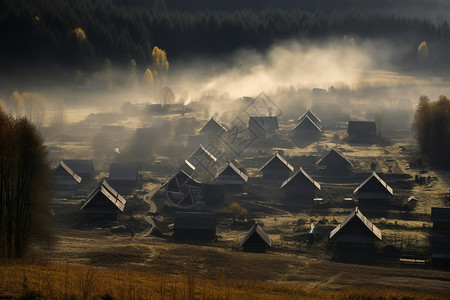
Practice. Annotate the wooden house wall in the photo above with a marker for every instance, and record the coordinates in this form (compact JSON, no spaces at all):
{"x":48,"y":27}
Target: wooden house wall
{"x":101,"y":205}
{"x":255,"y":243}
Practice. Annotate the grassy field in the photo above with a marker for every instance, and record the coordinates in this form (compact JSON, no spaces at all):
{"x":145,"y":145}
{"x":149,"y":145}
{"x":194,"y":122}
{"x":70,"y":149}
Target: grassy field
{"x":66,"y":281}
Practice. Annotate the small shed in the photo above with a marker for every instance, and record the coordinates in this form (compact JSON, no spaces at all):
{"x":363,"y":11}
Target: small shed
{"x":195,"y":225}
{"x":440,"y":236}
{"x":373,"y":191}
{"x":256,"y":240}
{"x":212,"y":129}
{"x":263,"y":126}
{"x":306,"y":129}
{"x":276,"y":168}
{"x":355,"y":238}
{"x":361,"y":130}
{"x":82,"y":167}
{"x":334,"y":162}
{"x":66,"y":180}
{"x":103,"y":202}
{"x":232,"y":177}
{"x":310,"y":115}
{"x":300,"y":188}
{"x":124,"y":176}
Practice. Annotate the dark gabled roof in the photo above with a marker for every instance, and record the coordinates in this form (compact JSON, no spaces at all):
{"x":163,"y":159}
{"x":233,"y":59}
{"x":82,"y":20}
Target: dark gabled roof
{"x":357,"y":214}
{"x":69,"y":171}
{"x":376,"y":177}
{"x":212,"y":125}
{"x":311,"y":115}
{"x":195,"y":220}
{"x":123,"y":171}
{"x":80,"y":166}
{"x":303,"y":173}
{"x":110,"y":193}
{"x":277,"y":157}
{"x":180,"y":179}
{"x":256,"y":229}
{"x":332,"y":153}
{"x":202,"y":151}
{"x":440,"y":214}
{"x":229,"y":173}
{"x":307,"y":124}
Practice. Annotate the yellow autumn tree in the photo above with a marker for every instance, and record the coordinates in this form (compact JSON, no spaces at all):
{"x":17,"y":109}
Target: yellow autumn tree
{"x":148,"y":76}
{"x":160,"y":62}
{"x":422,"y":51}
{"x":80,"y":34}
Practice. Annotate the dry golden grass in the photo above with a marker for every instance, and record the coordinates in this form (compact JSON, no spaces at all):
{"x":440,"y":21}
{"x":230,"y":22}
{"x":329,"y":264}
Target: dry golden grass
{"x":65,"y":281}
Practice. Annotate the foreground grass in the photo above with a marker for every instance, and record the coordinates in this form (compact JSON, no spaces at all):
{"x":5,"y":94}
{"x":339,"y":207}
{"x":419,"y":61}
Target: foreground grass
{"x":24,"y":280}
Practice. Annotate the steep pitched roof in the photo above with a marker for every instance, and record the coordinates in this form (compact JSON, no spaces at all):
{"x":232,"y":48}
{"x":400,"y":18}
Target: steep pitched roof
{"x":277,"y":158}
{"x":69,"y":171}
{"x":375,"y":176}
{"x":332,"y":153}
{"x":307,"y":124}
{"x":212,"y":125}
{"x":229,"y":173}
{"x":201,"y":151}
{"x":357,"y":214}
{"x":256,"y":229}
{"x":301,"y":173}
{"x":80,"y":166}
{"x":311,"y":115}
{"x":110,"y":193}
{"x":123,"y":171}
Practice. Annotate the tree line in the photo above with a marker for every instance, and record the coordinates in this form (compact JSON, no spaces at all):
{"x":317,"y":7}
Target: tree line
{"x":86,"y":33}
{"x":432,"y":125}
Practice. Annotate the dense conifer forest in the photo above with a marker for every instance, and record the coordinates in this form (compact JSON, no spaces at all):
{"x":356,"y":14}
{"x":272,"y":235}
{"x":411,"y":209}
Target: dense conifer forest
{"x":86,"y":33}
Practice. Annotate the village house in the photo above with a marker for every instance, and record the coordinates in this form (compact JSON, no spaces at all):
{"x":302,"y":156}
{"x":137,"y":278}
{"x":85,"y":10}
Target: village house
{"x":212,"y":129}
{"x":195,"y":225}
{"x":124,"y":177}
{"x":374,"y":192}
{"x":361,"y":130}
{"x":355,"y":238}
{"x":183,"y":190}
{"x":82,"y":167}
{"x":232,"y":177}
{"x":276,"y":169}
{"x":256,"y":240}
{"x":103,"y":202}
{"x":66,"y":180}
{"x":263,"y":126}
{"x":306,"y":129}
{"x":300,"y":188}
{"x":440,"y":237}
{"x":334,"y":162}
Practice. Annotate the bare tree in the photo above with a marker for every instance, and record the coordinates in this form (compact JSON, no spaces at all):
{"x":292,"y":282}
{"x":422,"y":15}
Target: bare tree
{"x":166,"y":96}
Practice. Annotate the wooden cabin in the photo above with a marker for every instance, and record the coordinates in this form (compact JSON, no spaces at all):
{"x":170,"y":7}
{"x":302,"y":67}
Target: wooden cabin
{"x":201,"y":157}
{"x":276,"y":169}
{"x":104,"y":202}
{"x":361,"y":130}
{"x":374,"y":191}
{"x":66,"y":180}
{"x":440,"y":237}
{"x":232,"y":177}
{"x":300,"y":188}
{"x":334,"y":162}
{"x":82,"y":167}
{"x":263,"y":126}
{"x":195,"y":225}
{"x":310,"y":115}
{"x":212,"y":129}
{"x":306,"y":129}
{"x":355,"y":238}
{"x":256,"y":240}
{"x":183,"y":190}
{"x":124,"y":177}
